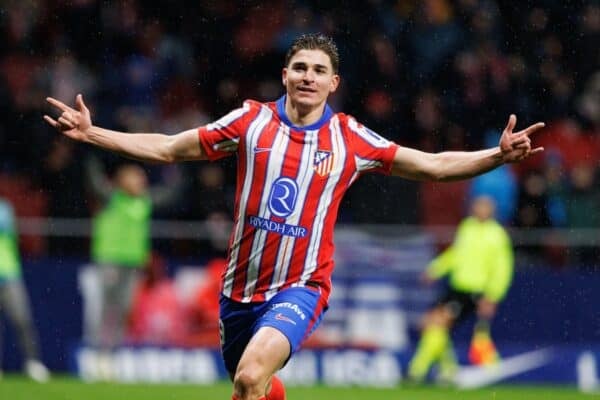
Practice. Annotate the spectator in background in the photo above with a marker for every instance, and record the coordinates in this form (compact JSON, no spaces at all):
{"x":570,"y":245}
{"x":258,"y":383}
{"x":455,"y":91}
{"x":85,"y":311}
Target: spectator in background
{"x":479,"y":267}
{"x":210,"y":201}
{"x":157,"y":316}
{"x":588,"y":103}
{"x":435,"y":37}
{"x":532,"y":211}
{"x":587,"y":55}
{"x":61,"y":180}
{"x":582,"y":209}
{"x":121,"y":241}
{"x":482,"y":56}
{"x":13,"y":296}
{"x":502,"y":187}
{"x":532,"y":208}
{"x":555,"y":248}
{"x":555,"y":175}
{"x":203,"y":313}
{"x":8,"y":146}
{"x":302,"y":20}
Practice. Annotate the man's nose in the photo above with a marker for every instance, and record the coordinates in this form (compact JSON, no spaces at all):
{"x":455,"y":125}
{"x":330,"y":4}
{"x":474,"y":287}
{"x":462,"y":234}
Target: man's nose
{"x":309,"y":75}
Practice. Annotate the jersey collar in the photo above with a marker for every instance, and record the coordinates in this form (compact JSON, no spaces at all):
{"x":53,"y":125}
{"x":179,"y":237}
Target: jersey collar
{"x":327,"y":114}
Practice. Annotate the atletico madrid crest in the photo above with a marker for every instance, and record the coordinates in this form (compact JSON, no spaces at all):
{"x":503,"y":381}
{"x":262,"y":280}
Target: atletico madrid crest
{"x":323,"y":162}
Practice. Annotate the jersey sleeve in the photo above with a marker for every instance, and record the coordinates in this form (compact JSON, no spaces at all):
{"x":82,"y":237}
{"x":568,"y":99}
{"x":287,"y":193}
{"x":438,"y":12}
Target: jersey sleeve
{"x":222,"y":138}
{"x":372,"y":152}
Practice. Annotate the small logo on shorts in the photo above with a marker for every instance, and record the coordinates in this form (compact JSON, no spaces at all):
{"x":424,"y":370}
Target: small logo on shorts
{"x":222,"y":332}
{"x":282,"y":317}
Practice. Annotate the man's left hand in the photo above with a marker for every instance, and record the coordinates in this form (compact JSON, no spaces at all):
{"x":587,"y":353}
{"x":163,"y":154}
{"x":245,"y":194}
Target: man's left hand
{"x":517,"y":146}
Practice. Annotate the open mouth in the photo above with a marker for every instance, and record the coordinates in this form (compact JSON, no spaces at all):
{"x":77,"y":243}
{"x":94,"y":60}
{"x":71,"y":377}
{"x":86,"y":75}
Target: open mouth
{"x":306,"y":89}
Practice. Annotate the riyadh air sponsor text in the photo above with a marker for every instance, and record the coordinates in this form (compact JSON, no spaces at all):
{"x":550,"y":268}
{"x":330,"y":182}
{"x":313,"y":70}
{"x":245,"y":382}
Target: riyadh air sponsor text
{"x":277,"y":227}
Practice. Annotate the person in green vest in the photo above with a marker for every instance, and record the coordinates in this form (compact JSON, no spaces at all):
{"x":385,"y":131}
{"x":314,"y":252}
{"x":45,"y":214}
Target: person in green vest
{"x":14,"y":302}
{"x":121,"y":243}
{"x":479,"y":268}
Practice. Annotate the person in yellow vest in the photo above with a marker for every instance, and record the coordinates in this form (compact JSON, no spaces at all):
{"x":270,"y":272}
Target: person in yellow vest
{"x":121,"y":242}
{"x":14,"y":303}
{"x":479,"y":268}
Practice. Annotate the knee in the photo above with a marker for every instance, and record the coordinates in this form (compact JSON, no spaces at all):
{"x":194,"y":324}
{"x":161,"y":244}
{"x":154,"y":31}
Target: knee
{"x":438,"y":317}
{"x":249,"y":382}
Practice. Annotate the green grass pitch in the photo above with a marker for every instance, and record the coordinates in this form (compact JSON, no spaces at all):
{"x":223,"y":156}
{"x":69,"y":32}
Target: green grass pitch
{"x":14,"y":387}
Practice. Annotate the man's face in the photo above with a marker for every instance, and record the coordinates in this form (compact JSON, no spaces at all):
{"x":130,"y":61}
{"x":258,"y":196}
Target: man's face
{"x":483,"y":208}
{"x":132,"y":180}
{"x":309,"y":78}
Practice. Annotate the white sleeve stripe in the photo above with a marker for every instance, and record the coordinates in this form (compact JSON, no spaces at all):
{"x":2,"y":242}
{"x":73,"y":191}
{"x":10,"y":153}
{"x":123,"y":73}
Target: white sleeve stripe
{"x":368,"y":135}
{"x":363,"y":164}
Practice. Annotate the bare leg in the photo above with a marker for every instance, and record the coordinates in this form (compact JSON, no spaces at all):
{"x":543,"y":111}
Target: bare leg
{"x":265,"y":354}
{"x":14,"y":300}
{"x":16,"y":305}
{"x":118,"y":284}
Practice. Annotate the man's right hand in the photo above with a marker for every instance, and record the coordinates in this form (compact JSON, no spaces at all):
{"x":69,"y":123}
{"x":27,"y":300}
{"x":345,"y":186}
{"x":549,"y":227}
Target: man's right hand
{"x":150,"y":147}
{"x":74,"y":123}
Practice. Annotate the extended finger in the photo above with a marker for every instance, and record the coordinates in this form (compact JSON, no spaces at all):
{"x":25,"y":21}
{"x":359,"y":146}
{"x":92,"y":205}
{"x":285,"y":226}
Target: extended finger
{"x":51,"y":121}
{"x":533,"y":128}
{"x":58,"y":104}
{"x":79,"y":102}
{"x":536,"y":150}
{"x":512,"y":121}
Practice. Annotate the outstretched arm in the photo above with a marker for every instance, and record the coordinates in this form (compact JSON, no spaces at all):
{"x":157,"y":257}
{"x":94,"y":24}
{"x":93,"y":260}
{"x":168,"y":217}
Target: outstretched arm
{"x":456,"y":165}
{"x":76,"y":123}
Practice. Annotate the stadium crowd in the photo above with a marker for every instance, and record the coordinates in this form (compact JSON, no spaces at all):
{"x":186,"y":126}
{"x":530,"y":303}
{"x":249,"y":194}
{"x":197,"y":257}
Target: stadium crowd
{"x":434,"y":74}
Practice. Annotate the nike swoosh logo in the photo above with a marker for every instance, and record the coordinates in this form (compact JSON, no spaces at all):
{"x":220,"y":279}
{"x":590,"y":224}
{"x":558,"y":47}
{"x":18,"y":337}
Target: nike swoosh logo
{"x":476,"y":377}
{"x":282,"y":317}
{"x":261,"y":149}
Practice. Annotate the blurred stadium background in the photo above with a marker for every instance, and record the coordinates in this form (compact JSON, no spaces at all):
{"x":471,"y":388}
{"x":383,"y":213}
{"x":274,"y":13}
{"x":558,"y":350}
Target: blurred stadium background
{"x":433,"y":74}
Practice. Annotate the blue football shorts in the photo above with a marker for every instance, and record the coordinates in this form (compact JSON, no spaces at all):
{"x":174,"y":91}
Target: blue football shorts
{"x":296,"y":312}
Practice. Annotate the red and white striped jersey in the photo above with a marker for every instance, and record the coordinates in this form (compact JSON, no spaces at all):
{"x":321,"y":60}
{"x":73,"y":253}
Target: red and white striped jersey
{"x":290,"y":182}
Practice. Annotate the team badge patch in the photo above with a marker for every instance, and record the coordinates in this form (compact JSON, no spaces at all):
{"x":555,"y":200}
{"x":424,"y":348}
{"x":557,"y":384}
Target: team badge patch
{"x":323,"y":162}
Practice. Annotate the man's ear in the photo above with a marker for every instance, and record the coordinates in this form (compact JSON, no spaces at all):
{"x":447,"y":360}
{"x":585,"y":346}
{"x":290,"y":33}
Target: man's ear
{"x":284,"y":77}
{"x":335,"y":82}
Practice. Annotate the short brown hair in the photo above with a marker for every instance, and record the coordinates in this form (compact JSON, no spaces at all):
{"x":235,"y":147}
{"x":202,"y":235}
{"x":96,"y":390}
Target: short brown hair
{"x":315,"y":41}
